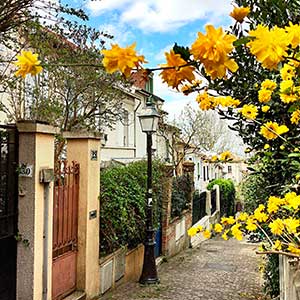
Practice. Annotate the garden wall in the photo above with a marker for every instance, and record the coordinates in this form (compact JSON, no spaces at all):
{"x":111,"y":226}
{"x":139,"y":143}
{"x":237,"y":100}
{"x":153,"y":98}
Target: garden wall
{"x":121,"y":266}
{"x":174,"y":230}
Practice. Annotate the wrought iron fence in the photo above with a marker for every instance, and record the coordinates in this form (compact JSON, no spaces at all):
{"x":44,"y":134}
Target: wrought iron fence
{"x":199,"y":206}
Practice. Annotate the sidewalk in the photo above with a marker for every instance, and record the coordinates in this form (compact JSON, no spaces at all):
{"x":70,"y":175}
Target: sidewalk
{"x":216,"y":270}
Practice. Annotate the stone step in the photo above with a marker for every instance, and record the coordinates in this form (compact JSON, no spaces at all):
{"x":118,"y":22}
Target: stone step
{"x":77,"y":295}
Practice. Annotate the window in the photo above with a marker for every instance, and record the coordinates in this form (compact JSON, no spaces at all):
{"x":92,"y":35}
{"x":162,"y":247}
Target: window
{"x":229,"y":169}
{"x":204,"y":174}
{"x":149,"y":84}
{"x":126,"y":128}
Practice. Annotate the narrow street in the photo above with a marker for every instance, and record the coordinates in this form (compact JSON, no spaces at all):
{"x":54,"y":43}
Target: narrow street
{"x":215,"y":270}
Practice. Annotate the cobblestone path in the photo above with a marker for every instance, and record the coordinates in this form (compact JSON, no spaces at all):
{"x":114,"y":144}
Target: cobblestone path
{"x":215,"y":270}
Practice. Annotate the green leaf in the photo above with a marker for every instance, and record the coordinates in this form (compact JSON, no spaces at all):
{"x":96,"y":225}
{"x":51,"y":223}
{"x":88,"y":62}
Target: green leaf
{"x":294,"y":154}
{"x":183,"y":51}
{"x":242,"y":41}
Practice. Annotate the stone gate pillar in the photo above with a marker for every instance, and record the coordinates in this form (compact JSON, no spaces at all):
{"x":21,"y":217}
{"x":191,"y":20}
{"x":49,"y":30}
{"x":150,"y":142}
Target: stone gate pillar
{"x":35,"y":207}
{"x":84,"y":148}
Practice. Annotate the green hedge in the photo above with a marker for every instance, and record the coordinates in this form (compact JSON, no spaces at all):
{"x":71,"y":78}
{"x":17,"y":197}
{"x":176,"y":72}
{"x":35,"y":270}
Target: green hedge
{"x":227,"y":191}
{"x":122,"y":204}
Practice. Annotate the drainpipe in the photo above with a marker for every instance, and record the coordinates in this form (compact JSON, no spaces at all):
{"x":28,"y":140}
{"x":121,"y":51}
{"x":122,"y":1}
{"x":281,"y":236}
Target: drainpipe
{"x":135,"y":127}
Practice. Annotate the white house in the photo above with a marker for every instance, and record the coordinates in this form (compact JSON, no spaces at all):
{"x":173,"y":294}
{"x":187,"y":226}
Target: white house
{"x":126,"y":142}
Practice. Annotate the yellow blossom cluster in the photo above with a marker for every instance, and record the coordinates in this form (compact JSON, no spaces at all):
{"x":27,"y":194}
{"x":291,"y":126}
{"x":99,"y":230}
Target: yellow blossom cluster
{"x":28,"y":63}
{"x":285,"y":229}
{"x":267,"y":88}
{"x":176,"y":70}
{"x":239,"y":13}
{"x":223,"y":157}
{"x":207,"y":102}
{"x":212,"y":50}
{"x":269,"y":45}
{"x":271,"y":130}
{"x":122,"y":59}
{"x":249,"y":111}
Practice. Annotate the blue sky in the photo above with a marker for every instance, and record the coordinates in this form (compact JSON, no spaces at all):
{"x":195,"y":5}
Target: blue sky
{"x":155,"y":25}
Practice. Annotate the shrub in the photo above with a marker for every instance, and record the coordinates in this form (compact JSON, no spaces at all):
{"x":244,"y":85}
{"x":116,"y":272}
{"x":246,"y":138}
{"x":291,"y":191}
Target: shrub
{"x":254,"y":192}
{"x":122,"y":204}
{"x":181,"y":188}
{"x":227,"y":191}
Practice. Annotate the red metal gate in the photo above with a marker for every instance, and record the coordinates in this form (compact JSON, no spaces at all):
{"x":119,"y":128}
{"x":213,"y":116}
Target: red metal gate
{"x":65,"y":224}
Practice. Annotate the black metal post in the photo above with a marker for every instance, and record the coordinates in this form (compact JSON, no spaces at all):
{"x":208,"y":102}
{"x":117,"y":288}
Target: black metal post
{"x":149,"y":273}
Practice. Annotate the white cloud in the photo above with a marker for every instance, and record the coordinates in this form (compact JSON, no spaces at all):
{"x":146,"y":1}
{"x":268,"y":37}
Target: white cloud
{"x":162,"y":15}
{"x":120,"y":33}
{"x":160,"y":56}
{"x":174,"y":101}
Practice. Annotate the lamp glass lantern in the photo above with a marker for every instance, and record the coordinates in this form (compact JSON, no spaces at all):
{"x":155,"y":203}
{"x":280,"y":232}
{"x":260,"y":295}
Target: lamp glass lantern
{"x":149,"y":118}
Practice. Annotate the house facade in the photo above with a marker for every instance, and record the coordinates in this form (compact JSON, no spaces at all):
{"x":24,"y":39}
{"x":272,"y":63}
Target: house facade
{"x":126,"y":142}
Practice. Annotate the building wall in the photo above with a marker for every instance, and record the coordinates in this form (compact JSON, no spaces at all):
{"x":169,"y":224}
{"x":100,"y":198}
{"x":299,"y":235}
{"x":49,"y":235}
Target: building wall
{"x":134,"y":145}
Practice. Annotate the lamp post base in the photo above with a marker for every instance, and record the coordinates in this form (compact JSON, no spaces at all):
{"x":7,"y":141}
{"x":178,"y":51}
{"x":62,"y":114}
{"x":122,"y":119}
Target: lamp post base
{"x":149,"y":273}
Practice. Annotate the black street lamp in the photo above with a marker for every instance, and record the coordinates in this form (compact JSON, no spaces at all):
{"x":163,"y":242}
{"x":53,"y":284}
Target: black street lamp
{"x":149,"y":123}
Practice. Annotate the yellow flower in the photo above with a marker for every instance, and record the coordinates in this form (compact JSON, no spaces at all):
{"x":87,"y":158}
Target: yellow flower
{"x":271,"y":130}
{"x":212,"y":50}
{"x":293,"y":249}
{"x":243,"y":217}
{"x":259,"y":215}
{"x":277,"y":245}
{"x":27,"y":63}
{"x":274,"y":203}
{"x":192,"y":231}
{"x":266,"y":146}
{"x":218,"y":228}
{"x":206,"y":234}
{"x":265,"y":108}
{"x":292,"y":200}
{"x":175,"y":76}
{"x":264,"y":95}
{"x":249,"y":111}
{"x":268,"y":85}
{"x":247,"y":150}
{"x":282,"y":147}
{"x":236,"y":232}
{"x":288,"y":98}
{"x":214,"y":158}
{"x":199,"y":228}
{"x":295,"y":118}
{"x":294,"y":34}
{"x":239,"y":13}
{"x":287,"y":72}
{"x":269,"y":45}
{"x":291,"y":224}
{"x":225,"y":236}
{"x":286,"y":86}
{"x":225,"y":156}
{"x":251,"y":226}
{"x":277,"y":226}
{"x":228,"y":101}
{"x":121,"y":59}
{"x":227,"y":221}
{"x":206,"y":101}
